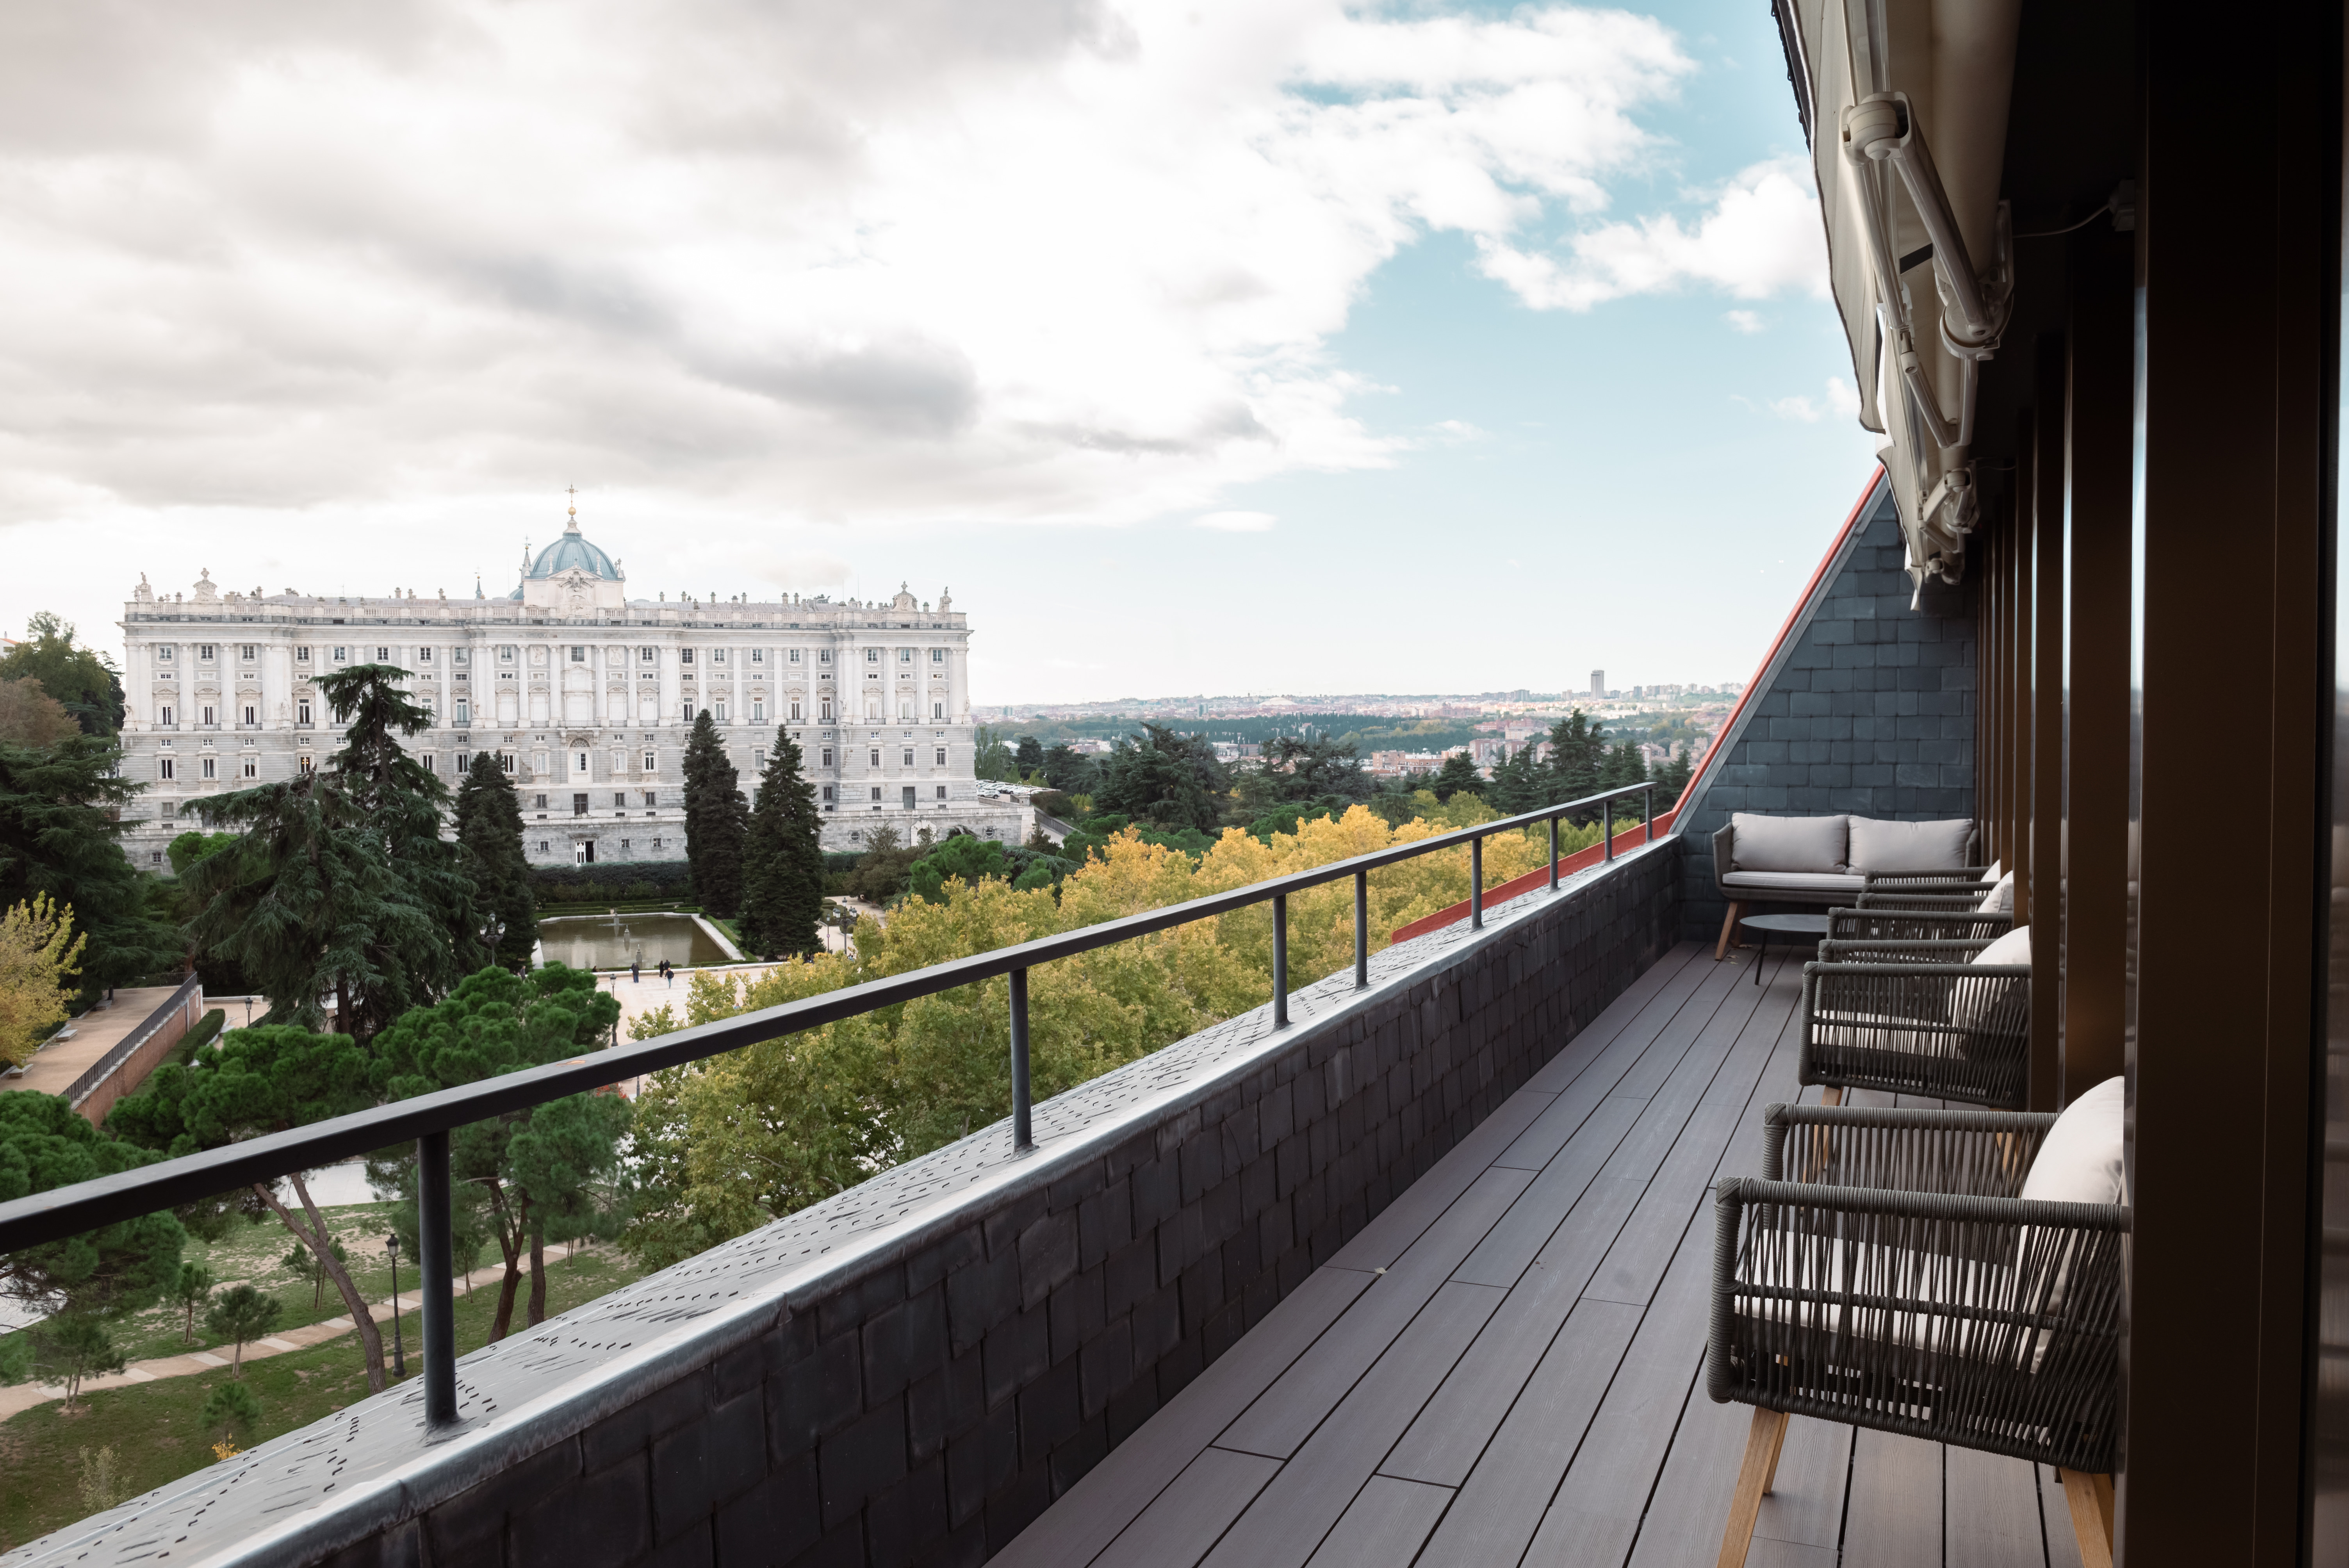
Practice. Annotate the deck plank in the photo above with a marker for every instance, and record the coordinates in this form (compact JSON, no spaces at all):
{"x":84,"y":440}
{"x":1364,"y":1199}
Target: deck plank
{"x":1444,"y":1444}
{"x":1384,"y":1526}
{"x":1286,"y":1524}
{"x":1297,"y":1402}
{"x":1803,"y":1509}
{"x":2056,"y":1517}
{"x":1182,"y":1525}
{"x":1659,"y":991}
{"x":1396,"y":1228}
{"x":1894,"y":1516}
{"x":1075,"y":1529}
{"x":1510,"y":1247}
{"x":1993,"y":1512}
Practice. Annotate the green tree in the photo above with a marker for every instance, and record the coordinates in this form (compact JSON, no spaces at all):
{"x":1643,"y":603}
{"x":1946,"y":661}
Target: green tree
{"x":76,"y":1346}
{"x":232,"y":1409}
{"x":59,"y":835}
{"x":1027,"y":757}
{"x":1577,"y":759}
{"x":964,"y":855}
{"x":993,"y":758}
{"x":782,"y":859}
{"x":880,"y":874}
{"x":31,"y":716}
{"x":1458,"y":775}
{"x":1172,"y":779}
{"x":301,"y":1259}
{"x":1066,"y":771}
{"x":488,"y":833}
{"x":1672,"y":777}
{"x":188,"y":1292}
{"x":269,"y":1079}
{"x":541,"y":1163}
{"x":715,"y":821}
{"x":82,"y":679}
{"x":241,"y":1315}
{"x":1516,"y":784}
{"x":1308,"y":769}
{"x":46,"y":1144}
{"x":17,"y":1354}
{"x":1625,"y":764}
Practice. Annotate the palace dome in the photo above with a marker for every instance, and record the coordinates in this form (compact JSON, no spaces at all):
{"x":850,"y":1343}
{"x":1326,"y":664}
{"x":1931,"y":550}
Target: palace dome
{"x":571,"y":551}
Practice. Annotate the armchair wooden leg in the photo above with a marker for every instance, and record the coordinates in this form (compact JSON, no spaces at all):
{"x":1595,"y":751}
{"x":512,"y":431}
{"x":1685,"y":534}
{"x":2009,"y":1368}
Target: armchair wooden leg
{"x":1728,"y":931}
{"x":2091,"y":1497}
{"x":1755,"y":1477}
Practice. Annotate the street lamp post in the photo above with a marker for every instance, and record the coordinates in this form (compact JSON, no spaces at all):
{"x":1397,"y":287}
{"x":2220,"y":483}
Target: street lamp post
{"x":399,"y":1351}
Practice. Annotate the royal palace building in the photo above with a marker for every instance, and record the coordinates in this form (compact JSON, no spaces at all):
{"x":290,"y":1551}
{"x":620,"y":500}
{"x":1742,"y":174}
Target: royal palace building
{"x":586,"y":696}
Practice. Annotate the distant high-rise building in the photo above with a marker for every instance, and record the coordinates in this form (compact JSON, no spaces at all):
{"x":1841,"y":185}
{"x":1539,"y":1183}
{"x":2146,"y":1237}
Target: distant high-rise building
{"x":1598,"y":683}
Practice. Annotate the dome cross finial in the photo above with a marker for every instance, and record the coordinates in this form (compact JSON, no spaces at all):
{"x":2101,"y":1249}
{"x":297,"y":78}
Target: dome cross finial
{"x":573,"y":491}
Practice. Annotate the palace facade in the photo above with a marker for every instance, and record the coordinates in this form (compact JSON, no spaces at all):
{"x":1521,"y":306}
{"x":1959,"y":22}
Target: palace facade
{"x":586,"y":696}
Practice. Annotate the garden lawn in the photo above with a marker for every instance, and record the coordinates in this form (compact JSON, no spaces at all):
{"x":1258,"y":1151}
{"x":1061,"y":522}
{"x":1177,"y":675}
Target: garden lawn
{"x":153,"y":1427}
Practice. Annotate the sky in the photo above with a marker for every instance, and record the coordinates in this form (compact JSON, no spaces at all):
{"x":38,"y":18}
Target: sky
{"x":1269,"y":346}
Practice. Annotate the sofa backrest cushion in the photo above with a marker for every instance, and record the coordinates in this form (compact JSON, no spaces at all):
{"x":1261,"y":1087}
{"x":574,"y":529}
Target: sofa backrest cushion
{"x":1789,"y":843}
{"x":2079,"y":1160}
{"x":1880,"y":846}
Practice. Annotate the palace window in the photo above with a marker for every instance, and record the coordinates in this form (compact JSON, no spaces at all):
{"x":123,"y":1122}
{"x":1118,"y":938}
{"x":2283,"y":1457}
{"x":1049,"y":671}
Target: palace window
{"x":383,"y":656}
{"x":209,"y":714}
{"x":252,"y":768}
{"x":250,"y":653}
{"x":650,"y":799}
{"x":876,"y":757}
{"x":505,"y":652}
{"x":827,"y":710}
{"x":757,"y":655}
{"x":458,"y":657}
{"x":827,"y":794}
{"x":423,"y":655}
{"x":164,"y":715}
{"x":720,"y":714}
{"x":795,"y":655}
{"x":652,"y":764}
{"x":342,"y":655}
{"x":619,"y":797}
{"x":464,"y":711}
{"x":578,"y":654}
{"x":942,"y":756}
{"x":795,"y":712}
{"x":872,"y":655}
{"x":208,"y":767}
{"x":942,"y":791}
{"x":909,"y":757}
{"x":464,"y":762}
{"x":827,"y":757}
{"x":716,"y":656}
{"x":579,"y":763}
{"x":647,"y":656}
{"x":876,"y":791}
{"x":542,"y":846}
{"x":758,"y":711}
{"x":937,"y":710}
{"x":252,"y":714}
{"x":538,"y":802}
{"x":301,"y":656}
{"x":154,"y":857}
{"x":306,"y":764}
{"x":758,"y":761}
{"x":506,"y":762}
{"x":938,"y":655}
{"x":165,"y":654}
{"x":302,"y":712}
{"x":171,"y":809}
{"x":164,"y":766}
{"x":685,"y":656}
{"x":205,"y":652}
{"x":824,"y":656}
{"x":688,"y":709}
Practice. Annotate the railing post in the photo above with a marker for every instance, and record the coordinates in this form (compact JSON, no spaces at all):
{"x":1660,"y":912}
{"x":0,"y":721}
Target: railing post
{"x":1361,"y":929}
{"x":1476,"y":881}
{"x":1023,"y":1134}
{"x":1607,"y":824}
{"x":434,"y":1285}
{"x":1281,"y":961}
{"x":1552,"y":854}
{"x":1648,"y":804}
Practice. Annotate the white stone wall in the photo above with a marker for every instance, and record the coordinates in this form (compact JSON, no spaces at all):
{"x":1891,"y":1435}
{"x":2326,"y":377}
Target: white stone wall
{"x":591,"y":711}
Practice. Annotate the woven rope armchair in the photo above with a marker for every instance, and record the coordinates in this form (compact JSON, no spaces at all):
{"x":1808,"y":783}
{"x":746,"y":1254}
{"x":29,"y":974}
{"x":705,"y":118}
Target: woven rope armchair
{"x":1930,"y":882}
{"x":1884,"y":1274}
{"x":1917,"y":1017}
{"x":1881,"y":925}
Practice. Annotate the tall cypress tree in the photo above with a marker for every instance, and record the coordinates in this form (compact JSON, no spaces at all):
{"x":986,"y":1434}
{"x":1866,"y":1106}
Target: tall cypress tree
{"x":489,"y":836}
{"x":783,"y":860}
{"x":715,"y":821}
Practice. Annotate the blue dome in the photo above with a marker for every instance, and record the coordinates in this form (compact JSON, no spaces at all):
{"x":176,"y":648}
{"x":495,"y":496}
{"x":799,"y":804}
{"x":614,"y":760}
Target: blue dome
{"x":572,"y":551}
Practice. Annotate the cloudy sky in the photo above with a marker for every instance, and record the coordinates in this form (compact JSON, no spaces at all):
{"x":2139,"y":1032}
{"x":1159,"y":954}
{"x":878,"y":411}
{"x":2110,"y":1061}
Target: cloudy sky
{"x":1202,"y":345}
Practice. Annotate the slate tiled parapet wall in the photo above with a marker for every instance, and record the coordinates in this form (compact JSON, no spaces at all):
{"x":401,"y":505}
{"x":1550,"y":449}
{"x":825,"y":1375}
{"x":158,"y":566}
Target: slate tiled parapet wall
{"x":927,"y":1410}
{"x":1871,"y":711}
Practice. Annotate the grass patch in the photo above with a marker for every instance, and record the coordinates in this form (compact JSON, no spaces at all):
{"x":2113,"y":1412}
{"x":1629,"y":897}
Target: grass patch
{"x":154,"y":1429}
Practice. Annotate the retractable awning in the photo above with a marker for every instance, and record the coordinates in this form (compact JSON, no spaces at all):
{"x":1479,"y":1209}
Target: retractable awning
{"x":1905,"y":103}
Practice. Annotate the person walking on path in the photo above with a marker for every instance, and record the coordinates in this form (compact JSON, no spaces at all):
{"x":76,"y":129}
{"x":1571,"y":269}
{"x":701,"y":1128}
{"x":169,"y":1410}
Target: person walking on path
{"x":635,"y":969}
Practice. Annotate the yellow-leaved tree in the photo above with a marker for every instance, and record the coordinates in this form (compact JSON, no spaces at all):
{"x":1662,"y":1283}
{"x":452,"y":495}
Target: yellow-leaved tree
{"x":725,"y":1145}
{"x":39,"y":955}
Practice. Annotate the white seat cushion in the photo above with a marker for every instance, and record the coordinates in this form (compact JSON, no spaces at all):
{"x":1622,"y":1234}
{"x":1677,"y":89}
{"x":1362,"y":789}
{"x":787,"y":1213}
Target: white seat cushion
{"x":2000,"y":899}
{"x":1997,"y":869}
{"x":2079,"y":1160}
{"x":1794,"y":882}
{"x":1894,"y":847}
{"x":1968,"y":1004}
{"x":1759,"y":844}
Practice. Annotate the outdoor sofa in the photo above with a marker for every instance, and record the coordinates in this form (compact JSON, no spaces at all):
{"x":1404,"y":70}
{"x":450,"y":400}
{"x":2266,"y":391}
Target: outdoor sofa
{"x":1830,"y":861}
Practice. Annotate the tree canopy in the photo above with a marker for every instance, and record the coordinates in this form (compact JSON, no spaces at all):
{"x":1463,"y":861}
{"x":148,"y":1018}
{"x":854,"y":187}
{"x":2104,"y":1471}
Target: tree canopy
{"x":82,"y":680}
{"x":489,"y":836}
{"x":46,"y":1144}
{"x":1172,"y":778}
{"x":60,"y":837}
{"x":31,"y":716}
{"x":716,"y":821}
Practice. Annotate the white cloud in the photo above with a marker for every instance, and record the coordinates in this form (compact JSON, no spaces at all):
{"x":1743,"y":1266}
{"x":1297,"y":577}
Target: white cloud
{"x":1842,"y":398}
{"x":845,"y":264}
{"x":1794,"y":408}
{"x":1760,"y":235}
{"x":1237,"y":521}
{"x":1743,"y":320}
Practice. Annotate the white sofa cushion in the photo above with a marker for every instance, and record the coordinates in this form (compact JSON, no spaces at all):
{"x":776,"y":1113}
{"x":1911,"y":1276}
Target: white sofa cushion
{"x":1997,"y":869}
{"x":2000,"y":899}
{"x":1881,"y":846}
{"x":1794,"y":881}
{"x":1969,"y":1005}
{"x":1761,"y":843}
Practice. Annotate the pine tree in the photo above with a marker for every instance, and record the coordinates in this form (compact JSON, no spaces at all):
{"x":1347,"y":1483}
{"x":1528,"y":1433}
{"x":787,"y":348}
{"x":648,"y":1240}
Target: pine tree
{"x":1516,"y":784}
{"x":1457,"y":776}
{"x":1578,"y":755}
{"x":715,"y":821}
{"x":1625,"y":764}
{"x":783,"y":860}
{"x":489,"y":835}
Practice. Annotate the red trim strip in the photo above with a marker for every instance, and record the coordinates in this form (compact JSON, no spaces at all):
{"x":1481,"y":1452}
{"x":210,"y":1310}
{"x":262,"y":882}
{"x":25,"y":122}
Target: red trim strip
{"x":1583,"y":859}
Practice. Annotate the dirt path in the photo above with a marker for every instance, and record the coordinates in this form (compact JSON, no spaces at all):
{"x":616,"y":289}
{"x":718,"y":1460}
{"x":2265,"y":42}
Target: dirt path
{"x":24,"y":1396}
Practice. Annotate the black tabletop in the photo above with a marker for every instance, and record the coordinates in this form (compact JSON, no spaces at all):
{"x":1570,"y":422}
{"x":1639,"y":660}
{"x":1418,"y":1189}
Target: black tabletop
{"x":1791,"y":924}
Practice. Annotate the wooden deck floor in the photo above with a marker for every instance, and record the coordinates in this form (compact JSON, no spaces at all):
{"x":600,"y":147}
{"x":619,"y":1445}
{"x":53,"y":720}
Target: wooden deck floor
{"x":1506,"y":1366}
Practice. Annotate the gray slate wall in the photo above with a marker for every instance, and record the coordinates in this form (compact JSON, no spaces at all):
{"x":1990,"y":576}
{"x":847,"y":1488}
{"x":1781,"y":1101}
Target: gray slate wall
{"x":1871,"y":711}
{"x":924,"y":1400}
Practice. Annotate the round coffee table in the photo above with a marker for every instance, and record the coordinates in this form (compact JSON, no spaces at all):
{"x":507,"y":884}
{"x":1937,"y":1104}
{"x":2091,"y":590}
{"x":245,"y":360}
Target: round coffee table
{"x":1765,"y":925}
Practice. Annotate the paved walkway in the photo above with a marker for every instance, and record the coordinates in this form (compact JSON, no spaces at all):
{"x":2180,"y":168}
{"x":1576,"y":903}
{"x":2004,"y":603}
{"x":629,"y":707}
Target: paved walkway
{"x":76,"y":1048}
{"x":24,"y":1396}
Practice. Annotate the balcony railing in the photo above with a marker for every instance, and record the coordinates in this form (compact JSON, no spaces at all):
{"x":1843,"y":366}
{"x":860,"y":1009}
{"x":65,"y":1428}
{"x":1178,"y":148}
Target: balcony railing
{"x":430,"y":1118}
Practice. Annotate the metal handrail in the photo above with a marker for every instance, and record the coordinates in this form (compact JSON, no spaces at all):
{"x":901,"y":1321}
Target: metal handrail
{"x":429,"y":1118}
{"x":82,"y":1087}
